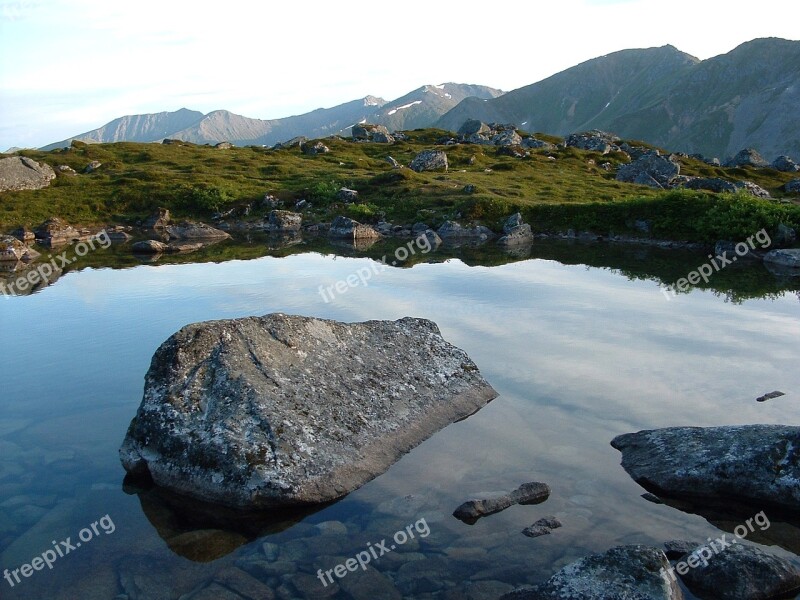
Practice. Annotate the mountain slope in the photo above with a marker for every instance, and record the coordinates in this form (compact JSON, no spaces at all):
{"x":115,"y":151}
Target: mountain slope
{"x":747,"y":97}
{"x":136,"y":128}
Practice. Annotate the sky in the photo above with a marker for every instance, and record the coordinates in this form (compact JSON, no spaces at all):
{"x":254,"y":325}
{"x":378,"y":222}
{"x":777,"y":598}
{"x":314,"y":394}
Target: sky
{"x":70,"y":66}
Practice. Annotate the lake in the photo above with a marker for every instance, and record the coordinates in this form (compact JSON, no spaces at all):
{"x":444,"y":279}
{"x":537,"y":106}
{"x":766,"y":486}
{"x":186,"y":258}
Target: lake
{"x":579,"y":341}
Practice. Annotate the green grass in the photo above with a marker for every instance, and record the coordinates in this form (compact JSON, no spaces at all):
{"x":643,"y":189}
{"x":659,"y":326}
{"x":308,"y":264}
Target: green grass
{"x":572,"y":191}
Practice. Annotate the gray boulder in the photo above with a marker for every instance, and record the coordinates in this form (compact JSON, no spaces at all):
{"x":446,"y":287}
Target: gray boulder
{"x":284,"y":221}
{"x":347,"y":195}
{"x":191,"y":230}
{"x":622,"y":573}
{"x":295,"y":142}
{"x":149,"y":247}
{"x":284,"y":410}
{"x":651,"y":169}
{"x":711,"y":184}
{"x":536,"y":144}
{"x":508,"y":137}
{"x":450,"y":230}
{"x":57,"y":232}
{"x":23,"y":173}
{"x":528,"y":493}
{"x":92,"y":166}
{"x":367,"y":131}
{"x":13,"y":250}
{"x":792,"y":187}
{"x":314,"y":148}
{"x":379,"y":137}
{"x":429,"y":160}
{"x":785,"y":164}
{"x":740,"y":572}
{"x":223,"y":146}
{"x":758,"y":464}
{"x":345,"y":228}
{"x":516,"y":232}
{"x":515,"y":151}
{"x":66,"y":170}
{"x":473,"y":127}
{"x":747,"y":158}
{"x":752,"y":189}
{"x":788,"y":257}
{"x":595,"y":141}
{"x":158,"y":220}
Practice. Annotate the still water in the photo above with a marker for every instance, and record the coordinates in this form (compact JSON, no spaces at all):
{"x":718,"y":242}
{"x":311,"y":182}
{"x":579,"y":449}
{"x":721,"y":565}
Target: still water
{"x":578,"y":354}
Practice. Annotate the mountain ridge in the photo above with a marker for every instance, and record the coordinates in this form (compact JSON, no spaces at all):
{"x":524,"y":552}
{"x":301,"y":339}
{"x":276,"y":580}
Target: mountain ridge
{"x":748,"y":97}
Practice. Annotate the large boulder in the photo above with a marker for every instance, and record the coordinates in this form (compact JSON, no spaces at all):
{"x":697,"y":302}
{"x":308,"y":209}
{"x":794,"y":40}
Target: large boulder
{"x":191,"y":230}
{"x":429,"y":160}
{"x":13,"y":250}
{"x":738,"y":572}
{"x":623,"y":573}
{"x":284,"y":410}
{"x":792,"y":187}
{"x":785,"y":164}
{"x":752,"y":189}
{"x":755,"y":464}
{"x":747,"y":158}
{"x":23,"y":173}
{"x":345,"y":228}
{"x":651,"y":169}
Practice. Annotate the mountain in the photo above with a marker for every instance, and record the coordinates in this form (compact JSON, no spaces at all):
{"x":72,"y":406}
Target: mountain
{"x":136,"y":128}
{"x":423,"y":106}
{"x":419,"y":108}
{"x":747,"y":97}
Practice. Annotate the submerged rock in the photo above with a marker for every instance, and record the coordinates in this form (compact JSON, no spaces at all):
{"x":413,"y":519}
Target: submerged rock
{"x":739,"y":573}
{"x":23,"y":173}
{"x":542,"y":527}
{"x":282,"y":410}
{"x":528,"y":493}
{"x":625,"y":572}
{"x":758,"y":464}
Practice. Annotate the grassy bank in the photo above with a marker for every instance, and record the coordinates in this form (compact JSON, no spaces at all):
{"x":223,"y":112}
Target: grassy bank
{"x":572,"y":191}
